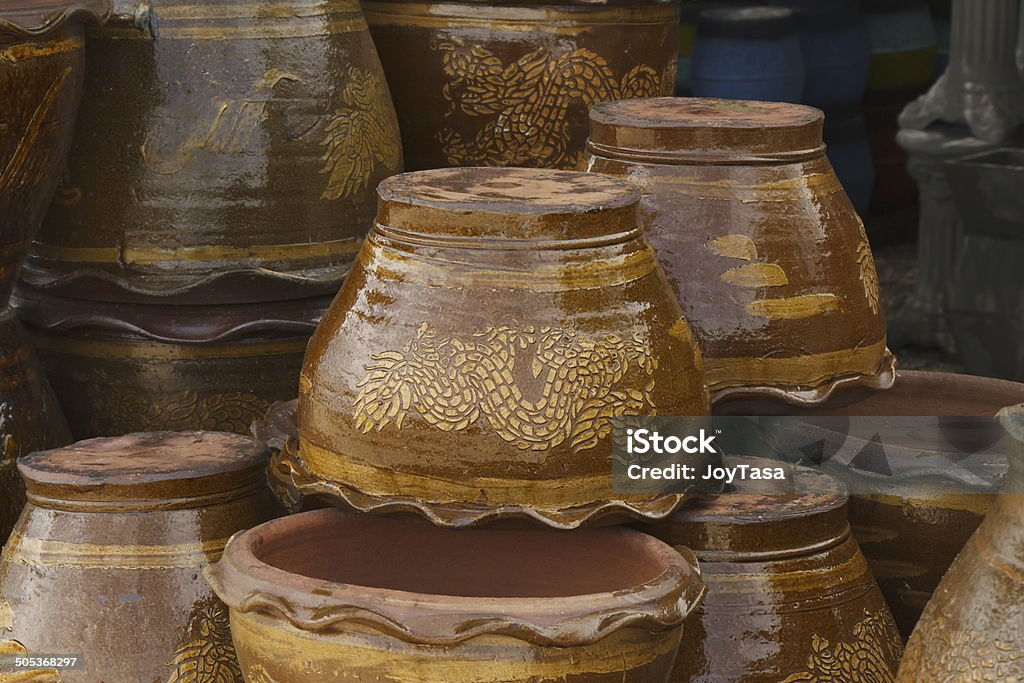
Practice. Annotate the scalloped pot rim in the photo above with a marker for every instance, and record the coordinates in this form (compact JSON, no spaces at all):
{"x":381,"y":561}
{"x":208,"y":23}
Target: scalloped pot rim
{"x":247,"y":584}
{"x":34,"y":19}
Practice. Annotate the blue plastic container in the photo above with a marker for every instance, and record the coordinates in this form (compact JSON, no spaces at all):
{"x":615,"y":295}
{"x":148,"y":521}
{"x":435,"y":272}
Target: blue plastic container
{"x":847,"y":148}
{"x":836,"y":53}
{"x":751,"y":53}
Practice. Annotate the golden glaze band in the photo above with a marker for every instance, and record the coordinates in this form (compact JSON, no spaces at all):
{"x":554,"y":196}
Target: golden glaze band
{"x":390,"y":264}
{"x":33,"y":50}
{"x":809,"y":371}
{"x":265,"y":252}
{"x":492,"y":491}
{"x":111,"y":349}
{"x":516,"y":19}
{"x":365,"y":654}
{"x":34,"y":552}
{"x":805,"y":187}
{"x":306,"y":28}
{"x":829,"y":577}
{"x":258,"y":10}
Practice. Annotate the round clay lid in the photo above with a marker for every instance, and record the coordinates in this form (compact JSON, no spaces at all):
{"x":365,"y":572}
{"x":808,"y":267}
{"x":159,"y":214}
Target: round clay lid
{"x":705,"y":130}
{"x":22,"y":19}
{"x":144,"y":467}
{"x":762,"y":518}
{"x":514,"y":208}
{"x":759,"y":23}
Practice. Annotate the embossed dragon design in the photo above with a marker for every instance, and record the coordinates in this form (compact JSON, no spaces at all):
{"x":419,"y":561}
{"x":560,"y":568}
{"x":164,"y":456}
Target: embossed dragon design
{"x":207,"y":655}
{"x":526,"y":103}
{"x":869,"y":656}
{"x":451,"y":383}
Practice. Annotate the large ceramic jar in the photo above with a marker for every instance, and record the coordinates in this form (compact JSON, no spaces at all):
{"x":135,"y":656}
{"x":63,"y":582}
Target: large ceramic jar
{"x":767,"y":255}
{"x":120,"y":368}
{"x":106,"y":561}
{"x":225,"y":153}
{"x":973,"y":628}
{"x":42,"y":61}
{"x":496,"y":323}
{"x":938,"y":476}
{"x":326,"y":595}
{"x":509,"y":82}
{"x":30,"y":418}
{"x":790,"y":597}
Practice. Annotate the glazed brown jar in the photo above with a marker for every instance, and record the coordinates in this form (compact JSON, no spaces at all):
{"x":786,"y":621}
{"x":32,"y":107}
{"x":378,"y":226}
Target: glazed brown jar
{"x":106,"y":560}
{"x":914,"y":524}
{"x":974,"y":624}
{"x":42,"y":61}
{"x":509,"y":82}
{"x":496,"y":322}
{"x":226,"y":152}
{"x":326,"y":595}
{"x":120,"y":368}
{"x":767,"y":255}
{"x":30,"y":418}
{"x":790,"y":596}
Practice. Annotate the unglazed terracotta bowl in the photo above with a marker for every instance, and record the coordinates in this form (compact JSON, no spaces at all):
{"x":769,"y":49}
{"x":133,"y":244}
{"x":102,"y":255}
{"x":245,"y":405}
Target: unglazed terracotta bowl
{"x":106,"y":559}
{"x":495,"y":324}
{"x":328,"y":595}
{"x":912,"y":529}
{"x":761,"y":244}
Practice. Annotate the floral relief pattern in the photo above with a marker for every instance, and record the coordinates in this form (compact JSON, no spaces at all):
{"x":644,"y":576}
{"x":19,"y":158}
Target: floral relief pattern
{"x":208,"y":656}
{"x":525,"y":104}
{"x":869,"y":656}
{"x":451,"y":383}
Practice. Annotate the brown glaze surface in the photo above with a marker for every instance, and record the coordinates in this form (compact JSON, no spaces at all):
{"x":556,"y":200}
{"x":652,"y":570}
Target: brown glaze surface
{"x":495,"y":323}
{"x":119,"y":368}
{"x":111,"y":548}
{"x":769,"y":260}
{"x":42,"y":60}
{"x":509,"y":83}
{"x":278,"y":432}
{"x":226,"y":152}
{"x":973,"y":628}
{"x":30,"y":418}
{"x":790,"y":597}
{"x":334,"y":596}
{"x":912,"y":532}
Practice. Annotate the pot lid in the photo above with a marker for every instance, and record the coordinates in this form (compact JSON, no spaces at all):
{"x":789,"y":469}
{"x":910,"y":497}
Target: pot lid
{"x":507,"y":208}
{"x":762,"y":519}
{"x":21,"y":19}
{"x":746,"y":23}
{"x":146,"y":470}
{"x":705,"y":131}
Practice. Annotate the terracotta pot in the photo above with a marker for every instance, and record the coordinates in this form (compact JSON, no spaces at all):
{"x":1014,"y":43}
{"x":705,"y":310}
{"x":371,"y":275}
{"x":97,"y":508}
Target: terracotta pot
{"x":30,"y":418}
{"x":973,"y":628}
{"x":790,"y":597}
{"x":913,"y":527}
{"x":120,"y":368}
{"x":42,"y":59}
{"x":226,"y":153}
{"x":509,"y":82}
{"x":334,"y":596}
{"x":115,"y":535}
{"x":495,"y":324}
{"x":769,"y":259}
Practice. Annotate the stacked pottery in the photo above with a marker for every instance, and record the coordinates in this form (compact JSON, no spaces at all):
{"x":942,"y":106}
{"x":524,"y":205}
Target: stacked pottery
{"x":790,"y":597}
{"x":225,"y":157}
{"x":943,"y":469}
{"x":760,"y":243}
{"x":42,"y":59}
{"x":110,"y":550}
{"x":974,"y":625}
{"x":509,"y":82}
{"x":414,"y":398}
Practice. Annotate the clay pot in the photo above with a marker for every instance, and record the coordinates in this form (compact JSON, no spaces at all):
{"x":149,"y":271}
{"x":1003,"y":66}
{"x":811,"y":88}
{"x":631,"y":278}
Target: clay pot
{"x":278,"y":432}
{"x":42,"y":60}
{"x":769,"y":260}
{"x":973,"y":628}
{"x":495,"y":324}
{"x":509,"y":82}
{"x":329,"y":595}
{"x":913,"y":526}
{"x":226,"y":153}
{"x":121,"y":368}
{"x":115,"y":535}
{"x":790,"y":596}
{"x":30,"y":418}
